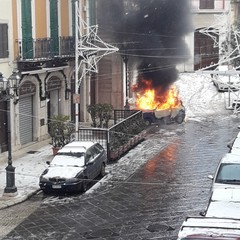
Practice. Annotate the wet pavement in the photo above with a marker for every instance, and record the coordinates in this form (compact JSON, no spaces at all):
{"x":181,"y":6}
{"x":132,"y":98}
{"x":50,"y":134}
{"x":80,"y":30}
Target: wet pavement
{"x":166,"y":182}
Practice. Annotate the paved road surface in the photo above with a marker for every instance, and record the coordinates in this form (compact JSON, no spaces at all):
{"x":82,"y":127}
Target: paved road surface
{"x":148,"y":203}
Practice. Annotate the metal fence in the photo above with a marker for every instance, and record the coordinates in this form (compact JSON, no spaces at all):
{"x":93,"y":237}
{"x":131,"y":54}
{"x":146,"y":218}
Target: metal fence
{"x":121,"y":137}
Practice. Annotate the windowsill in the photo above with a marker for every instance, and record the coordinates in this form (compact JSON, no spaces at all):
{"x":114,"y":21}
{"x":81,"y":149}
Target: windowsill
{"x":207,"y":11}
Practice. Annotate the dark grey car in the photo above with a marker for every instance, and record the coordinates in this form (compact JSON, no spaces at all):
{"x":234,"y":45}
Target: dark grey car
{"x":74,"y":166}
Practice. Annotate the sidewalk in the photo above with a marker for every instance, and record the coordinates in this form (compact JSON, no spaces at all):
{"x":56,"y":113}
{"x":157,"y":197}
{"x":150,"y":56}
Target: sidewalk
{"x":28,"y":167}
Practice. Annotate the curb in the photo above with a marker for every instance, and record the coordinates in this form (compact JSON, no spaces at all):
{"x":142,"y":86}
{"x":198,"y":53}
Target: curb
{"x":12,"y":202}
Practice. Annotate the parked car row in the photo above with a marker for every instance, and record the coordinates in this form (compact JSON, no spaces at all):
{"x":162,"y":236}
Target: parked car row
{"x":221,"y":218}
{"x":73,"y":167}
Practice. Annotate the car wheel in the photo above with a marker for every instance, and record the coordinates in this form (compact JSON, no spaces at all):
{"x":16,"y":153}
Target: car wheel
{"x":84,"y":185}
{"x":45,"y":191}
{"x":180,"y":117}
{"x":148,"y":122}
{"x":102,"y":172}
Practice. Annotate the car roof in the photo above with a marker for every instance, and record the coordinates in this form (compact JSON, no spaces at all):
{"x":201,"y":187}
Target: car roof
{"x":236,"y":142}
{"x":235,"y":150}
{"x":224,"y":203}
{"x":211,"y":227}
{"x":230,"y":158}
{"x":79,"y":146}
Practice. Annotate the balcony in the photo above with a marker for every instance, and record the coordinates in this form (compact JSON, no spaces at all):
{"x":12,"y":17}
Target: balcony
{"x":33,"y":54}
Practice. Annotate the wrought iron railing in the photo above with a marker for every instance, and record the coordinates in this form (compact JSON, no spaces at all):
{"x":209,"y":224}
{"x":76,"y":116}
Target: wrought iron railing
{"x":67,"y":46}
{"x":44,"y":48}
{"x":121,"y":137}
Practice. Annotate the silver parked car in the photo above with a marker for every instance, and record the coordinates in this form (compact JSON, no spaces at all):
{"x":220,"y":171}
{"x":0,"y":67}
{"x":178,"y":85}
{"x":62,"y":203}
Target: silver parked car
{"x":226,"y":78}
{"x":74,"y":166}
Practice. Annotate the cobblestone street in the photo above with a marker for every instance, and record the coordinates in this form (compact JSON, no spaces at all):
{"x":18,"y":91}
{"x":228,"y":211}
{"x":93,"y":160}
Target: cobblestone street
{"x":169,"y":183}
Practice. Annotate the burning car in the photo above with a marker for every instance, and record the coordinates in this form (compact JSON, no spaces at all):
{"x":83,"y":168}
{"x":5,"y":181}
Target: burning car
{"x":160,"y":108}
{"x":167,"y":116}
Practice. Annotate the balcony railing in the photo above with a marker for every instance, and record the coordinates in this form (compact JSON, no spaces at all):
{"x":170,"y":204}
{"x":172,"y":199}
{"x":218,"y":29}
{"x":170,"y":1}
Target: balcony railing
{"x":45,"y":48}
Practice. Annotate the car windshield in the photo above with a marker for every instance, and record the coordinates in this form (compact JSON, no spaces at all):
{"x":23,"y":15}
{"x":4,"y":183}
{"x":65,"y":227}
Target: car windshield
{"x":229,"y":173}
{"x":206,"y":237}
{"x":75,"y":159}
{"x":210,"y":238}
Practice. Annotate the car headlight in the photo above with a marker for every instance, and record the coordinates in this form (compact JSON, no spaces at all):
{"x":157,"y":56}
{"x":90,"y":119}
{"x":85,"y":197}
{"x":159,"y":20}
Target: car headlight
{"x":43,"y":179}
{"x":71,"y":180}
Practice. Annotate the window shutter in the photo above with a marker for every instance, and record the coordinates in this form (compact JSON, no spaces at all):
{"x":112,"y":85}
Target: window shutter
{"x":54,"y":27}
{"x":27,"y":42}
{"x":4,"y":53}
{"x":73,"y":17}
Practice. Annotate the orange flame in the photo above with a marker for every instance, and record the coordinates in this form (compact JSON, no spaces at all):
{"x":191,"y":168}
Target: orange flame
{"x":148,"y":100}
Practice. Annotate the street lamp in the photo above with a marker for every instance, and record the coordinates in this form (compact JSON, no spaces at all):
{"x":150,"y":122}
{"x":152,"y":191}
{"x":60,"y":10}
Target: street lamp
{"x":8,"y":90}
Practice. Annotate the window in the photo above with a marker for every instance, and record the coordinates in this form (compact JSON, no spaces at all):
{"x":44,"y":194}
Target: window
{"x":99,"y":147}
{"x":206,"y":4}
{"x":88,"y":156}
{"x":3,"y":40}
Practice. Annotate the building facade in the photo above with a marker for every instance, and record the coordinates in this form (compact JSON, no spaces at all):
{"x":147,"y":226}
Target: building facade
{"x":37,"y":38}
{"x":207,"y":14}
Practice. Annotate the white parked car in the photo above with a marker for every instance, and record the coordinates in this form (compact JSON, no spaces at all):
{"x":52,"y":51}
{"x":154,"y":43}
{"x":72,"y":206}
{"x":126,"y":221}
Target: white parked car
{"x":234,"y":145}
{"x":227,"y":174}
{"x":224,"y":203}
{"x":74,"y":166}
{"x":225,"y":79}
{"x":208,"y":228}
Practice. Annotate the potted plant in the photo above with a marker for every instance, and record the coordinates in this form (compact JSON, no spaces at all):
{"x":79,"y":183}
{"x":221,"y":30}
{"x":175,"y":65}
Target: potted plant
{"x":100,"y":114}
{"x":60,"y":131}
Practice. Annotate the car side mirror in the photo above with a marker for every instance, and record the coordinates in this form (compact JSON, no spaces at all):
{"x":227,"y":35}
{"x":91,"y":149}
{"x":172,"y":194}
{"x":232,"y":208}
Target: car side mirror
{"x":202,"y":213}
{"x":210,"y":177}
{"x":90,"y":163}
{"x":48,"y":162}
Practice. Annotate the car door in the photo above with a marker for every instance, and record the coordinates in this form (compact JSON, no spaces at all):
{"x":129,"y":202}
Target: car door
{"x":90,"y":164}
{"x":98,"y":159}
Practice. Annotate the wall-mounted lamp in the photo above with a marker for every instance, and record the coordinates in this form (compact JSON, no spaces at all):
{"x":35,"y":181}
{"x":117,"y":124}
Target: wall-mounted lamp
{"x":67,"y":93}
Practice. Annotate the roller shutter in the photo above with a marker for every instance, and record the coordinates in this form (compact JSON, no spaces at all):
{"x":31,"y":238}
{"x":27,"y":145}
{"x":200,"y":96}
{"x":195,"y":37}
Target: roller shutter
{"x":26,"y":119}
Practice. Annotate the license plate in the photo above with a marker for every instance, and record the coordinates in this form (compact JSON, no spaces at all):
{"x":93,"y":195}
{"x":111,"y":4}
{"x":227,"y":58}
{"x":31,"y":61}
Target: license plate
{"x":56,"y":186}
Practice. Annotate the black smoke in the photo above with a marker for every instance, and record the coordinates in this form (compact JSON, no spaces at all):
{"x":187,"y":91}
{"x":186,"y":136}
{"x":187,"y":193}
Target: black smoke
{"x":151,"y":33}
